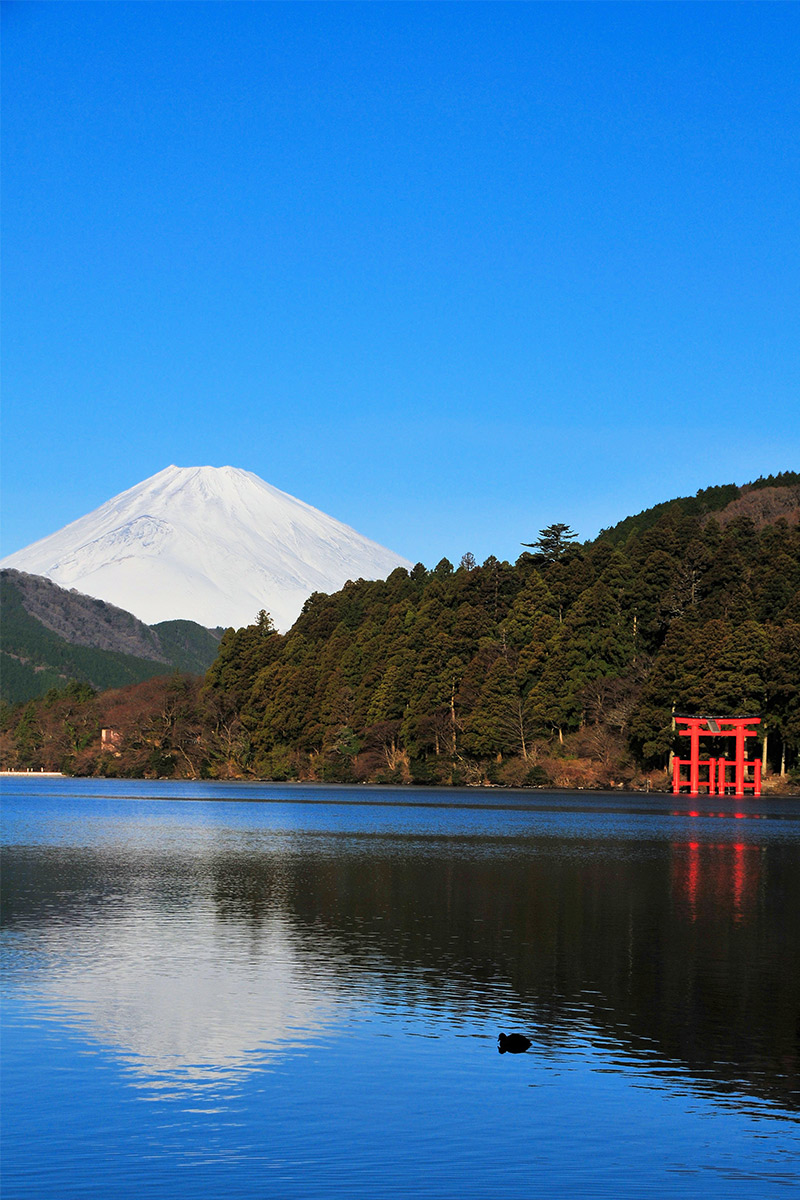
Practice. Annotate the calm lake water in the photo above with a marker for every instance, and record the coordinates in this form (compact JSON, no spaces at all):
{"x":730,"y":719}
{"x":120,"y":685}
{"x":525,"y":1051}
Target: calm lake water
{"x":230,"y":990}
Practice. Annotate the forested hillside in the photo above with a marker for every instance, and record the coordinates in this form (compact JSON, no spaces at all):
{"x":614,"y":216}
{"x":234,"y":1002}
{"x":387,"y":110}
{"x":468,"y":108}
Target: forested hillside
{"x":50,"y":636}
{"x":564,"y":667}
{"x":765,"y":500}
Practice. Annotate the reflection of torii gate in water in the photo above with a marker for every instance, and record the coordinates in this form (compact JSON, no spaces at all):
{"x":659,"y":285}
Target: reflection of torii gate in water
{"x":716,"y":782}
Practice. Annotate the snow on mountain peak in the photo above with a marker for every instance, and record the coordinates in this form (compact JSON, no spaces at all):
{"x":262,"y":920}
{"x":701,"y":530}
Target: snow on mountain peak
{"x":208,"y":544}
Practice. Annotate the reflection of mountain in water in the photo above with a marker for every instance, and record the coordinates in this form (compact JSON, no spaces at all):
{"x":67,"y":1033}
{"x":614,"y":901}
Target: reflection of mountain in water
{"x":149,"y":971}
{"x":178,"y":1013}
{"x":681,"y":953}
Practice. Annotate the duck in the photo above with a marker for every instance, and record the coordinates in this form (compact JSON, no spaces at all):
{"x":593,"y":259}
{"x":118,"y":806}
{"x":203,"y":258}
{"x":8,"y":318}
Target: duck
{"x":514,"y":1043}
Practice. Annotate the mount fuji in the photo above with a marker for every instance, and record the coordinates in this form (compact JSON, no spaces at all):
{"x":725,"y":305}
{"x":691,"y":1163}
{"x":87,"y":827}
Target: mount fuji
{"x":208,"y":544}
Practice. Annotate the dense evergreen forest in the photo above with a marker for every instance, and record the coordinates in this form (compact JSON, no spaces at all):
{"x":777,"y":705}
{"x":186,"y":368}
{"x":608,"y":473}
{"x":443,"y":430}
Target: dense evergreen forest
{"x":563,"y":668}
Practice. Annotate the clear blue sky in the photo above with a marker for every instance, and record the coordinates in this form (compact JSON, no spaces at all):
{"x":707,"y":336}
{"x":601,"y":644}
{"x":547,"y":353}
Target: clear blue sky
{"x":449,"y":272}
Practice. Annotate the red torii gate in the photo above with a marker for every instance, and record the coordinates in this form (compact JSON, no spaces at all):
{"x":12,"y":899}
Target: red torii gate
{"x":717,"y":781}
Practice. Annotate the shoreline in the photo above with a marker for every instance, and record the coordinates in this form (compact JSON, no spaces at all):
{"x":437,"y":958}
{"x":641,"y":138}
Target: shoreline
{"x":35,"y":774}
{"x":536,"y":789}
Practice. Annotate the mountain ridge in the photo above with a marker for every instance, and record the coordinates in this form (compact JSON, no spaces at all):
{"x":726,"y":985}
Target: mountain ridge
{"x":210,"y":544}
{"x":764,"y":500}
{"x":50,"y":636}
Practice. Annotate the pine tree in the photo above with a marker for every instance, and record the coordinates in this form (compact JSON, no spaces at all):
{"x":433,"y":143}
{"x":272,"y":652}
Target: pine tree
{"x":552,"y":541}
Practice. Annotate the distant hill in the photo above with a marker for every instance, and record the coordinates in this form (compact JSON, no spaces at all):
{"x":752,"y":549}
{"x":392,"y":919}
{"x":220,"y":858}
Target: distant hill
{"x":765,"y":501}
{"x":49,"y":636}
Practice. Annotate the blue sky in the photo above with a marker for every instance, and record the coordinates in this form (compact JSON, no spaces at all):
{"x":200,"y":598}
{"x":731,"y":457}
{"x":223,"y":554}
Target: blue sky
{"x":449,"y":272}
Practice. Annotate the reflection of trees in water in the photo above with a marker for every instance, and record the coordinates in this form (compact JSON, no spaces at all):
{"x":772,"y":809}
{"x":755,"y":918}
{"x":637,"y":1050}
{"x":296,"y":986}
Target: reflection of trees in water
{"x":686,"y":953}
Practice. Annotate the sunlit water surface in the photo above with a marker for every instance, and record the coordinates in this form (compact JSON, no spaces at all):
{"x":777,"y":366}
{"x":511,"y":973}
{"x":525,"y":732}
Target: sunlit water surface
{"x":228,"y":990}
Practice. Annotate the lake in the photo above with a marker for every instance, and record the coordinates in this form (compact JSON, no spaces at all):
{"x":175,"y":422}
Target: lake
{"x":262,"y":990}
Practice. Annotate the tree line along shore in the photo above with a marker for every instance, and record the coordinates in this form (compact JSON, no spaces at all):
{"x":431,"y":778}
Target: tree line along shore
{"x":562,"y":669}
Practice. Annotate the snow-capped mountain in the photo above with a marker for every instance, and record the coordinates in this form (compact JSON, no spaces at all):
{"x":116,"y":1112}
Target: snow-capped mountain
{"x":208,"y":544}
